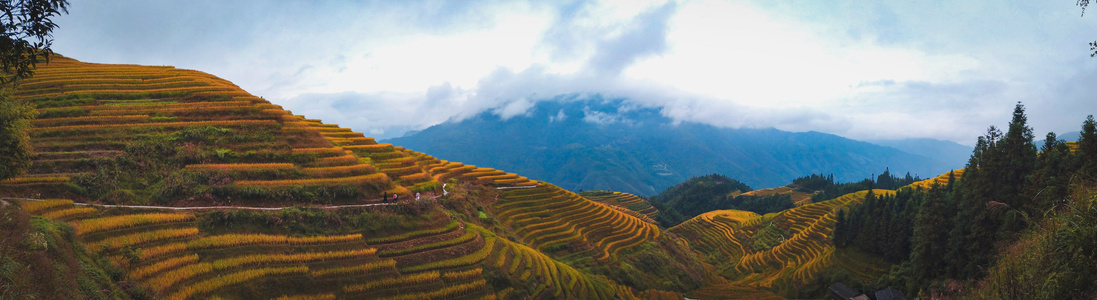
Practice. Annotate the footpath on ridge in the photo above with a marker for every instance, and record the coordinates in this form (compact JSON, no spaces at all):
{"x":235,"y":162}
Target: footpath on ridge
{"x":4,"y":201}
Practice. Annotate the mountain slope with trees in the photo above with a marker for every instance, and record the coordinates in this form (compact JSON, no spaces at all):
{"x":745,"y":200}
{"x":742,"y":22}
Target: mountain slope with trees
{"x":604,"y":144}
{"x":983,"y":229}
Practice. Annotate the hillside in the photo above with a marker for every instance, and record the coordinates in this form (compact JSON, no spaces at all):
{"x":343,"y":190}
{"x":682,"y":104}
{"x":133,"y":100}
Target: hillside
{"x":122,"y":148}
{"x":157,"y":182}
{"x":626,"y":201}
{"x":603,"y":144}
{"x":785,"y":252}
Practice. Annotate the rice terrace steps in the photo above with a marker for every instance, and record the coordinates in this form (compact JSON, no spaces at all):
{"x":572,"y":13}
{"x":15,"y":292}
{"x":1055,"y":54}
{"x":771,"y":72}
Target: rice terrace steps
{"x":182,"y":185}
{"x":201,"y":190}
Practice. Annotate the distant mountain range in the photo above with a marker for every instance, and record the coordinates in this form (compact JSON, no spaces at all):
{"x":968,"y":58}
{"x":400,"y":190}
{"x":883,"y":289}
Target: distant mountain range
{"x":595,"y":143}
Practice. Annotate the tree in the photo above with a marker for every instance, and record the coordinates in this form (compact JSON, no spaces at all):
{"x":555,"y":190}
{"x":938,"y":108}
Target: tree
{"x":15,"y":149}
{"x":1087,"y":147}
{"x":929,"y":240}
{"x":1092,"y":45}
{"x":26,"y":41}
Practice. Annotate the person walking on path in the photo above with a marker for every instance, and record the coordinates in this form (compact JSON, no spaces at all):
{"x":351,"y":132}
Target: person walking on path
{"x":416,"y":196}
{"x":395,"y":197}
{"x":384,"y":197}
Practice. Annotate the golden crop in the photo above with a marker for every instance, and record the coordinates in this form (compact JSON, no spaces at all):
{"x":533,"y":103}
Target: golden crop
{"x":124,"y":221}
{"x":376,"y":178}
{"x":233,"y":240}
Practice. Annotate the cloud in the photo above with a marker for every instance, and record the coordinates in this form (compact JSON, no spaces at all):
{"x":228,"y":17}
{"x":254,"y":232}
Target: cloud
{"x":645,"y":36}
{"x":861,"y":69}
{"x":602,"y":118}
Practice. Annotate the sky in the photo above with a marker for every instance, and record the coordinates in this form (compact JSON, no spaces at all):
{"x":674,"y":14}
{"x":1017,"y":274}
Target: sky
{"x":862,"y":69}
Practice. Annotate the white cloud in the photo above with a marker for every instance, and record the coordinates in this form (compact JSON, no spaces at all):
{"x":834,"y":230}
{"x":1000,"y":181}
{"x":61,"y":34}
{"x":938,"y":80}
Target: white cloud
{"x":862,"y":69}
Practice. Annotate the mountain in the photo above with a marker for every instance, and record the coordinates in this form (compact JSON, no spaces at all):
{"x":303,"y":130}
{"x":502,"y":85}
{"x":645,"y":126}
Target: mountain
{"x":696,"y":196}
{"x":945,"y":152}
{"x":607,"y":144}
{"x":157,"y":182}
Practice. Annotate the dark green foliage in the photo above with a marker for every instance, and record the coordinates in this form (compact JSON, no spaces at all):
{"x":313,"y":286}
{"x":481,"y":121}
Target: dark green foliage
{"x":40,"y":259}
{"x":1048,"y":184}
{"x":768,"y":237}
{"x":1053,"y":261}
{"x":67,"y":100}
{"x":929,"y":239}
{"x":825,"y":188}
{"x":25,"y":41}
{"x":1087,"y":147}
{"x":761,"y":204}
{"x":813,"y":182}
{"x":152,"y":168}
{"x":993,"y":203}
{"x":880,"y":225}
{"x":970,"y":228}
{"x":15,"y":148}
{"x":371,"y":222}
{"x":26,"y":37}
{"x":696,"y":196}
{"x":66,"y":112}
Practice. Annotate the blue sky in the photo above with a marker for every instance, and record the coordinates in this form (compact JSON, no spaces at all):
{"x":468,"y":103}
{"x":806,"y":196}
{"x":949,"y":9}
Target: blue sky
{"x":860,"y":69}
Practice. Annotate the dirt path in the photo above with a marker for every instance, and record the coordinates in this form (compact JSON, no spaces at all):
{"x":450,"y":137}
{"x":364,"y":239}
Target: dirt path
{"x":5,"y":201}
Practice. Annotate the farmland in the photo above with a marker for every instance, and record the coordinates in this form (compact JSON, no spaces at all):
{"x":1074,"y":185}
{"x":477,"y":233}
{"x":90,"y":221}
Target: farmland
{"x":119,"y":146}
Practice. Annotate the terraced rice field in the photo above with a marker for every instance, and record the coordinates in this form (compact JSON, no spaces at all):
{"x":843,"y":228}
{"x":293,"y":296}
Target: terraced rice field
{"x":90,"y":113}
{"x":555,"y":280}
{"x":548,"y":217}
{"x":940,"y":180}
{"x":803,"y":254}
{"x":625,"y":200}
{"x":167,"y":252}
{"x":804,"y":250}
{"x":799,"y":198}
{"x":717,"y":235}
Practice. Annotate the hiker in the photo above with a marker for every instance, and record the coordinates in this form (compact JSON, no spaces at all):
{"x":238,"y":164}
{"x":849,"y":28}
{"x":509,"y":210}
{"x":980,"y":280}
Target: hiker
{"x":395,"y":197}
{"x":384,"y":197}
{"x":416,"y":196}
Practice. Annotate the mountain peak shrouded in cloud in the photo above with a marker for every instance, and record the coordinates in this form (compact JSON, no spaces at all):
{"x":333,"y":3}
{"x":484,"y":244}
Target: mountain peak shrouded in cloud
{"x":860,"y":69}
{"x":592,"y":142}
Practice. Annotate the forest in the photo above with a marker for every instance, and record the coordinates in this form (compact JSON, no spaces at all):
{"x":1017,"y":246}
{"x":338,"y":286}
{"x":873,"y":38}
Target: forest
{"x":1016,"y":212}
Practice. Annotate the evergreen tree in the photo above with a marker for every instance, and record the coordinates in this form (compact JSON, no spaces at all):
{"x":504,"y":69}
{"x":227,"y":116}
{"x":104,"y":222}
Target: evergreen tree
{"x":1087,"y":148}
{"x":1018,"y":154}
{"x":884,"y":181}
{"x":840,"y":229}
{"x":1048,"y":184}
{"x":930,"y":236}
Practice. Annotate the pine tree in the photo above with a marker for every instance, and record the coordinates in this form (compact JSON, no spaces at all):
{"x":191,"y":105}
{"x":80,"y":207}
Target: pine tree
{"x":1019,"y":159}
{"x":1087,"y":147}
{"x":929,"y":240}
{"x":1048,"y":183}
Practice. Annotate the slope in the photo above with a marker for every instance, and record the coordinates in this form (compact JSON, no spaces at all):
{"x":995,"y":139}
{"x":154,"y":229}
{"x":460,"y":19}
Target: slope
{"x":627,"y":201}
{"x":137,"y":135}
{"x":603,"y":144}
{"x":779,"y":252}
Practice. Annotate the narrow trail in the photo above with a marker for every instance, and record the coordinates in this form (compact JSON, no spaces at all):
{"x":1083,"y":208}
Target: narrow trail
{"x":4,"y":202}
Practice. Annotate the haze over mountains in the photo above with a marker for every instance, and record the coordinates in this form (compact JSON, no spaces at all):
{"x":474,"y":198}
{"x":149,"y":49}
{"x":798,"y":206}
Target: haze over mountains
{"x":584,"y":143}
